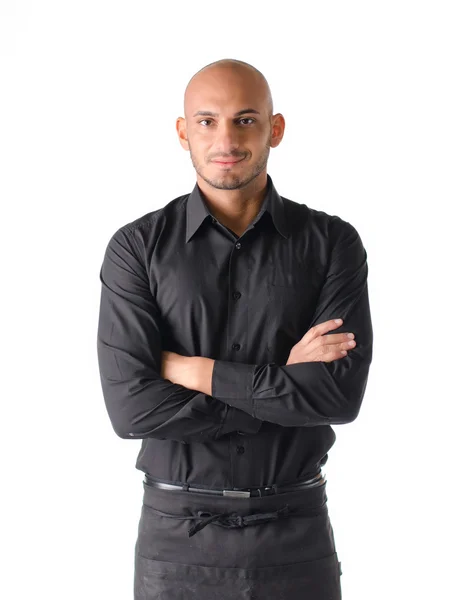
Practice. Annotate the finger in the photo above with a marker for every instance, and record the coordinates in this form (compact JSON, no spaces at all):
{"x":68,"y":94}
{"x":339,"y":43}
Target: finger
{"x":336,"y":338}
{"x":321,"y":329}
{"x":330,"y":355}
{"x":319,"y":345}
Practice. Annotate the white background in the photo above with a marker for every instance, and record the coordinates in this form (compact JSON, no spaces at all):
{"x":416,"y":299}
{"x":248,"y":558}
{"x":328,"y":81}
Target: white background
{"x":90,"y":91}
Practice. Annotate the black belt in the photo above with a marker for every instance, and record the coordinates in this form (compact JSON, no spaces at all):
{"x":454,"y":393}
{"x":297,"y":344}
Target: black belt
{"x":317,"y":480}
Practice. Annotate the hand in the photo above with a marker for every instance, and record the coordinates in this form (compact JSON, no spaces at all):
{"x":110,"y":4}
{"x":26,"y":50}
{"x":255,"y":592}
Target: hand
{"x":178,"y":368}
{"x":317,"y":347}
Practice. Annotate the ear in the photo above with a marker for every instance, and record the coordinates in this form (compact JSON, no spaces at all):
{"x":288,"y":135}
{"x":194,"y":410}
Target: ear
{"x":181,"y":132}
{"x":278,"y":126}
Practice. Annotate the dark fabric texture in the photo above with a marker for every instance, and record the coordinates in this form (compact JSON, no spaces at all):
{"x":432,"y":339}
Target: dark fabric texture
{"x":177,"y":279}
{"x":287,"y":557}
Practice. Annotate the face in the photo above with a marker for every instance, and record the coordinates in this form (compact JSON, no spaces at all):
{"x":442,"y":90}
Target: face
{"x":228,"y":128}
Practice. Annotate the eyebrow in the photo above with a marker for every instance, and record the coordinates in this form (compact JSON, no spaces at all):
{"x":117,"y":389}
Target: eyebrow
{"x":208,"y":113}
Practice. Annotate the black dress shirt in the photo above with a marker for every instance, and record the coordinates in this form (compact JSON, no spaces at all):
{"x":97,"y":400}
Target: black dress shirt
{"x":176,"y":279}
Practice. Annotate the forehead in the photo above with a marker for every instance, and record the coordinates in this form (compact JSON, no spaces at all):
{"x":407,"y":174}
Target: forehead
{"x":225,"y":92}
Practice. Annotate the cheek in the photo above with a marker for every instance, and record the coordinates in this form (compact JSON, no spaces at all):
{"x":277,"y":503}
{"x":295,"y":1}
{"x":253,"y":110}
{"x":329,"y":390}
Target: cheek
{"x":200,"y":149}
{"x":258,"y":144}
{"x":198,"y":155}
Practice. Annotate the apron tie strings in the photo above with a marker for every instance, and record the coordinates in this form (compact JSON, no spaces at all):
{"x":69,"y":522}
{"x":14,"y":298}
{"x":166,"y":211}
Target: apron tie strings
{"x":233,"y":519}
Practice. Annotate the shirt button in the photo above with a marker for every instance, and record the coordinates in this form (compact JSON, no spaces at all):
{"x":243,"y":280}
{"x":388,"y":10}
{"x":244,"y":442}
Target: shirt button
{"x":240,"y":449}
{"x":236,"y":346}
{"x":213,"y":220}
{"x":236,"y":295}
{"x":238,"y":245}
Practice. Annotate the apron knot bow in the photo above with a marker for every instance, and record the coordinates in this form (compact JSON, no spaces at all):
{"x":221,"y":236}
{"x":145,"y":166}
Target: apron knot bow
{"x":231,"y":520}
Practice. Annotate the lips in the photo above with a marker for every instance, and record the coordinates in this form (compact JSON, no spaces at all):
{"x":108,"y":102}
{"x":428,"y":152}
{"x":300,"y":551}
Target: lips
{"x":227,"y":162}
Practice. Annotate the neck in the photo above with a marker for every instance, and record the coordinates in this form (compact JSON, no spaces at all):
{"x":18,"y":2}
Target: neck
{"x":235,"y":209}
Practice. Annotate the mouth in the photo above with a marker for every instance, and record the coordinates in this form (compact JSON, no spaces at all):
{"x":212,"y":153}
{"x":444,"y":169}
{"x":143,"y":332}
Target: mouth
{"x":227,"y":163}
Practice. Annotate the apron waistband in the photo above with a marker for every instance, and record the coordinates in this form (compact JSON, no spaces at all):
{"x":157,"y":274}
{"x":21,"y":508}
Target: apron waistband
{"x":234,"y":520}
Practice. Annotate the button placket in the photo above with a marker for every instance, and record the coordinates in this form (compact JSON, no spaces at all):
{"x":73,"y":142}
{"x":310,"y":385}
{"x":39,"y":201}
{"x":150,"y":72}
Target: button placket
{"x":236,"y":295}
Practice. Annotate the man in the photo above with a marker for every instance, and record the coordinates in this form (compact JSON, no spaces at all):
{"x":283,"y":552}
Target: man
{"x":219,"y":347}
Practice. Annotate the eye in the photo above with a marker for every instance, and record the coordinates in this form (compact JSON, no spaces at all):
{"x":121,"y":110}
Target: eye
{"x":205,"y":121}
{"x":247,"y":119}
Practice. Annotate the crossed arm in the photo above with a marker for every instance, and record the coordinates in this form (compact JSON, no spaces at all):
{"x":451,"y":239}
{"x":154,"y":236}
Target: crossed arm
{"x":217,"y":396}
{"x":139,"y":401}
{"x":197,"y":372}
{"x":193,"y":372}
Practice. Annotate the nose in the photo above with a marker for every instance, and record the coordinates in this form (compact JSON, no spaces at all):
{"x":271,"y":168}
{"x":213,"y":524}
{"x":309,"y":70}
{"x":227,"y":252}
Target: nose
{"x":227,"y":138}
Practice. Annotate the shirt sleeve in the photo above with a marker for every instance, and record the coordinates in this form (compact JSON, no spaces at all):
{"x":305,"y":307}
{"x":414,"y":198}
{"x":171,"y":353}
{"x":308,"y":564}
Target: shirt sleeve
{"x":314,"y":393}
{"x":139,"y":402}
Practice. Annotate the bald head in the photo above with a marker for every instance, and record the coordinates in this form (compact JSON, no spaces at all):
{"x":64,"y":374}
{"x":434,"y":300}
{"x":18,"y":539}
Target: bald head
{"x":236,"y":74}
{"x":229,"y":125}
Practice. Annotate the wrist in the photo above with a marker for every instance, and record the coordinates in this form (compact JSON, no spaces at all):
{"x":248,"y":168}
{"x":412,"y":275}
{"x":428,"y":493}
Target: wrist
{"x":203,"y":370}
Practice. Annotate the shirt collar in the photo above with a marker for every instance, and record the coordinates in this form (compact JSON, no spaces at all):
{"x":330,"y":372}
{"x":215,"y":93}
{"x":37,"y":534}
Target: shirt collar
{"x":197,"y":210}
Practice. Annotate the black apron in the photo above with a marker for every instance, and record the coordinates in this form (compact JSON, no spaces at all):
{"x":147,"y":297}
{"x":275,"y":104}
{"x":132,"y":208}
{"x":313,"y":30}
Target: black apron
{"x":196,"y":546}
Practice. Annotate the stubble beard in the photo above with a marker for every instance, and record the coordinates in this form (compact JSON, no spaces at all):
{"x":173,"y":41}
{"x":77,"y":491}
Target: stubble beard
{"x":234,"y":182}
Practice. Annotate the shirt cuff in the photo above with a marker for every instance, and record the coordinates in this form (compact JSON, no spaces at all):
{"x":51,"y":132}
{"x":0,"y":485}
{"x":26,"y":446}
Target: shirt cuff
{"x":232,"y":383}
